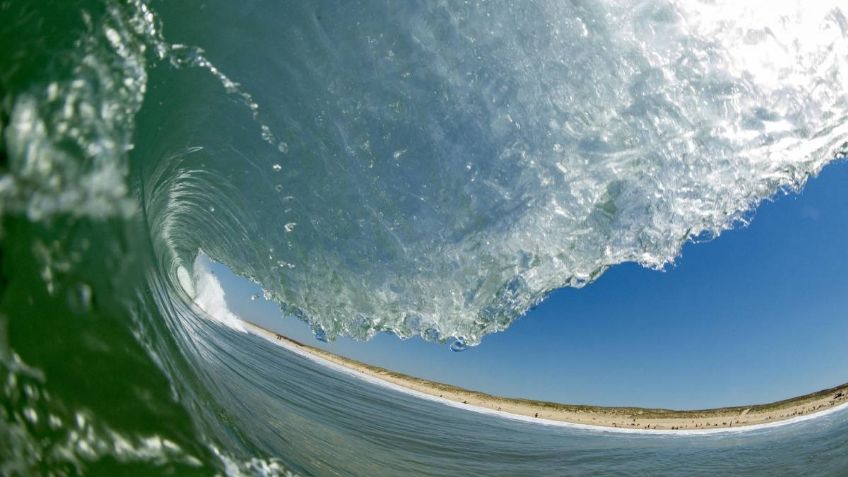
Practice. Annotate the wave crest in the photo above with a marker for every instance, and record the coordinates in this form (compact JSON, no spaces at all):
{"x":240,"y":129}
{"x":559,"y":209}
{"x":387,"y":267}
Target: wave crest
{"x":446,"y":166}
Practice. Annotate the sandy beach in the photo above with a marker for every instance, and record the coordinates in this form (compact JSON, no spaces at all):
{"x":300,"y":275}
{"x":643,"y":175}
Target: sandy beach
{"x":623,"y":418}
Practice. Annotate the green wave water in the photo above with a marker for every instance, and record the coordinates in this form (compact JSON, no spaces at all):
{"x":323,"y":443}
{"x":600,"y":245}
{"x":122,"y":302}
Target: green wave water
{"x":423,"y":168}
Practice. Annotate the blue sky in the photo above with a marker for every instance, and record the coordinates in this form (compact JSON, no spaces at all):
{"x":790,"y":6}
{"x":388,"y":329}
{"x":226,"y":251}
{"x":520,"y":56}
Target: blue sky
{"x":756,"y":315}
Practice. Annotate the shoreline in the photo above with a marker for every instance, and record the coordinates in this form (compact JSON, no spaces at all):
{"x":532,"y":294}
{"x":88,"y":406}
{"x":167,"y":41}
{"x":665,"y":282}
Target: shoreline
{"x":603,"y":418}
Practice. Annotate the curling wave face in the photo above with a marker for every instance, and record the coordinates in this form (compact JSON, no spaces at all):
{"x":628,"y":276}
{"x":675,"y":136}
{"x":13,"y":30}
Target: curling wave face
{"x":436,"y":169}
{"x":424,"y":168}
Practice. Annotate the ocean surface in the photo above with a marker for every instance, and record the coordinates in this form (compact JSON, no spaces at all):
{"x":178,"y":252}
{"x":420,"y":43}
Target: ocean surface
{"x":426,"y":169}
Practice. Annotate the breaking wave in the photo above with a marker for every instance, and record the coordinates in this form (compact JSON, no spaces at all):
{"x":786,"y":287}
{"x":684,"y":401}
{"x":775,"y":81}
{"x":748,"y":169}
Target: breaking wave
{"x":436,"y":170}
{"x":427,"y":169}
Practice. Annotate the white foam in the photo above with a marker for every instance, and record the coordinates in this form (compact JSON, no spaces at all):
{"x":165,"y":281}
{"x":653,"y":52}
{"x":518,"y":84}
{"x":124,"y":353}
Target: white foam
{"x":185,"y":281}
{"x":209,"y":295}
{"x":272,"y":337}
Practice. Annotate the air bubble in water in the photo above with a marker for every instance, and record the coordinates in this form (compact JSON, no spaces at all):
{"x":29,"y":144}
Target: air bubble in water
{"x":283,"y":147}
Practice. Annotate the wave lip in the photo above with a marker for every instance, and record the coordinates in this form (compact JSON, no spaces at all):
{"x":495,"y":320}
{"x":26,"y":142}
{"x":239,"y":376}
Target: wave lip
{"x":565,"y":141}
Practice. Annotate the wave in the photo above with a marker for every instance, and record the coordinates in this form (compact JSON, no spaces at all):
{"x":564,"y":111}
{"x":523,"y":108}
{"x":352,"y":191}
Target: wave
{"x":427,"y":170}
{"x":572,"y":140}
{"x":568,"y":140}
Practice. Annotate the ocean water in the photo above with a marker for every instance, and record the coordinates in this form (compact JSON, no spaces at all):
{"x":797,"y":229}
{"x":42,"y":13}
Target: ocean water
{"x":427,"y":169}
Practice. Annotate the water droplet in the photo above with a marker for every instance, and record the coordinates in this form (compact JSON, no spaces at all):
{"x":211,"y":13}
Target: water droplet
{"x":31,"y":415}
{"x":458,"y":345}
{"x":277,"y":167}
{"x":79,"y":298}
{"x":211,"y":209}
{"x":283,"y":147}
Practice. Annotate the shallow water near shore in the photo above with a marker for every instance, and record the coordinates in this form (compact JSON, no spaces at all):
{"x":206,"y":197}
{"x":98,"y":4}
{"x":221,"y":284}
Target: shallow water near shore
{"x":404,"y":435}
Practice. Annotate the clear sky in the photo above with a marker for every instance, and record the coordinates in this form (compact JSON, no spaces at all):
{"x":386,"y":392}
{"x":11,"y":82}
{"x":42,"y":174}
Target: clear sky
{"x":756,"y":315}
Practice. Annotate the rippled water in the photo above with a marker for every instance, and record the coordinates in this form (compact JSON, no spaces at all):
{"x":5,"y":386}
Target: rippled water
{"x":422,"y":168}
{"x":346,"y":426}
